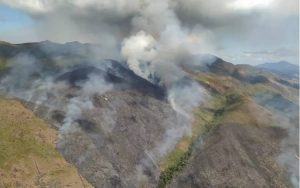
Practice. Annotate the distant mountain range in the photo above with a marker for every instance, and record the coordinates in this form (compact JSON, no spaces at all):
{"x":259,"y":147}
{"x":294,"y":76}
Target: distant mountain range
{"x":282,"y":68}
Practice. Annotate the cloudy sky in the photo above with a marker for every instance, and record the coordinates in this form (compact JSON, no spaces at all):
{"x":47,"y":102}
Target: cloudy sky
{"x":240,"y":31}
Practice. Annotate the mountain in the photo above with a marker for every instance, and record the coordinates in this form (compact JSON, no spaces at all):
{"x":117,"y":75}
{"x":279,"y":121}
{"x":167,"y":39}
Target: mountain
{"x":123,"y":130}
{"x":281,"y":68}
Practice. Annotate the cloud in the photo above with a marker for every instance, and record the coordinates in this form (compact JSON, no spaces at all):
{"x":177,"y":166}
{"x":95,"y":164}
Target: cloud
{"x":263,"y":56}
{"x":243,"y":4}
{"x":225,"y":28}
{"x":113,"y":19}
{"x":281,"y":52}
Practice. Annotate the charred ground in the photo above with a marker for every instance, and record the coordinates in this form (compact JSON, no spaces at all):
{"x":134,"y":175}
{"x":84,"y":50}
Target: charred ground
{"x":240,"y":136}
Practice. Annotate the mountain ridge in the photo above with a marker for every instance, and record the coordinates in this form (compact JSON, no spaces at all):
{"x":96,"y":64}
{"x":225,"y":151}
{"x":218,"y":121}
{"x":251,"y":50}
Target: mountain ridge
{"x":128,"y":137}
{"x":282,"y":68}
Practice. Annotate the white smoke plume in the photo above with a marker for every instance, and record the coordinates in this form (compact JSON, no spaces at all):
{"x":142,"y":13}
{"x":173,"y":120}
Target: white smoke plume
{"x":95,"y":85}
{"x":157,"y":49}
{"x":29,"y":81}
{"x":74,"y":110}
{"x":139,"y":50}
{"x":185,"y":98}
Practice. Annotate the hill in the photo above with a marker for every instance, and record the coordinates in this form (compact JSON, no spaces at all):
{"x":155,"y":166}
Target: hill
{"x":219,"y":125}
{"x":281,"y":68}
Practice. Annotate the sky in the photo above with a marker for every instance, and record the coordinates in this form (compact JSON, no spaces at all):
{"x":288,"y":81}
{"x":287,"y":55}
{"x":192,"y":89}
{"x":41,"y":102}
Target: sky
{"x":239,"y":31}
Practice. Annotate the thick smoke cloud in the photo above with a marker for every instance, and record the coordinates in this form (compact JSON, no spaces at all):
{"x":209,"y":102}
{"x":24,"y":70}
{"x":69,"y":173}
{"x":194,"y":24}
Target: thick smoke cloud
{"x":230,"y":26}
{"x":139,"y":50}
{"x":157,"y":51}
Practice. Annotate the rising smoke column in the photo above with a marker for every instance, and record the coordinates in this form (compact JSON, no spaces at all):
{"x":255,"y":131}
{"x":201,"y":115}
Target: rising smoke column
{"x":157,"y":47}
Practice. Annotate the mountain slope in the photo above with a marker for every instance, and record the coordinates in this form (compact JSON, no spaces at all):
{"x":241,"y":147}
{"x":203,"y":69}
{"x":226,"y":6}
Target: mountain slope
{"x":240,"y":151}
{"x":251,"y":132}
{"x":122,"y":130}
{"x":28,"y":157}
{"x":282,"y":68}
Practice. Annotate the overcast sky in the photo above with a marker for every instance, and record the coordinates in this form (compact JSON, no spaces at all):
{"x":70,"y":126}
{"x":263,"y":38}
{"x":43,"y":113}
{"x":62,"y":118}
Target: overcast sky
{"x":240,"y":31}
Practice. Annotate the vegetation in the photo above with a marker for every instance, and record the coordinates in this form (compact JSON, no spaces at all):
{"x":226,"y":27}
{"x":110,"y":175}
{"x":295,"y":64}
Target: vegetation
{"x":27,"y":151}
{"x":17,"y":135}
{"x":2,"y":65}
{"x":206,"y":119}
{"x":233,"y":102}
{"x":167,"y":175}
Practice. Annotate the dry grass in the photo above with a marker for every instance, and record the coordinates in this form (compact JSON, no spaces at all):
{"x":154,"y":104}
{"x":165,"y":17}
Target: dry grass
{"x":28,"y":157}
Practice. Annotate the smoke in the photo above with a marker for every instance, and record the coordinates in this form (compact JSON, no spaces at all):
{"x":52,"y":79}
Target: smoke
{"x":231,"y":26}
{"x":74,"y":110}
{"x":285,"y":115}
{"x":30,"y":80}
{"x":95,"y":85}
{"x":23,"y":66}
{"x":186,"y":97}
{"x":147,"y":35}
{"x":159,"y":43}
{"x":155,"y":38}
{"x":139,"y":50}
{"x":156,"y":49}
{"x":289,"y":154}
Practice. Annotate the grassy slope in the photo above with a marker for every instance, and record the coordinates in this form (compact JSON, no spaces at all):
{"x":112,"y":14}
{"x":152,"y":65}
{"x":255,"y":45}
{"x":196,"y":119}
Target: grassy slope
{"x":2,"y":64}
{"x":27,"y":151}
{"x":231,"y":103}
{"x":206,"y":118}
